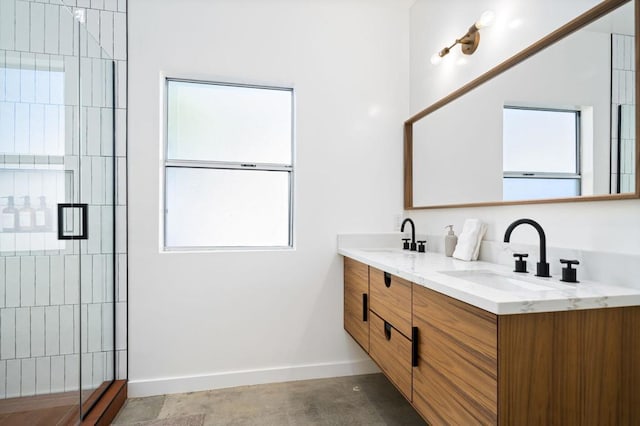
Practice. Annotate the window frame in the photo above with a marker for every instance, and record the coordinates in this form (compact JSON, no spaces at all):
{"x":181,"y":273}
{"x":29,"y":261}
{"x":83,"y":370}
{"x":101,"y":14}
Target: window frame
{"x":226,"y":165}
{"x":530,"y":174}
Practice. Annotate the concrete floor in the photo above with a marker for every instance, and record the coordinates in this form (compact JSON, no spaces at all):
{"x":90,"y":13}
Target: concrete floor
{"x":354,"y":400}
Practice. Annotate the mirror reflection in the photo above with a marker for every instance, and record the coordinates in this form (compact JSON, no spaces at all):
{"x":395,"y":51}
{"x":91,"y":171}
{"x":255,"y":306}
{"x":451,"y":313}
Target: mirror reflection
{"x":559,"y":124}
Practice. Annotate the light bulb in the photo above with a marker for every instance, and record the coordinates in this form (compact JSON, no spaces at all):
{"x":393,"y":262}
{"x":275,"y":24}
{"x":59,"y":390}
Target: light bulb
{"x":486,"y":19}
{"x":436,"y":58}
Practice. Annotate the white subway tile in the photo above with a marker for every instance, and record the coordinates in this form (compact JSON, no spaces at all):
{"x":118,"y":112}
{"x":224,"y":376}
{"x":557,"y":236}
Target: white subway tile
{"x":86,"y":80}
{"x":106,"y":132}
{"x":87,"y":370}
{"x":84,"y":318}
{"x":93,"y":33}
{"x":97,"y":4}
{"x":7,"y":24}
{"x":121,"y":230}
{"x":52,"y":330}
{"x":99,"y":193}
{"x":76,"y":328}
{"x":57,"y":374}
{"x":98,"y":278}
{"x":2,"y":283}
{"x":67,"y":329}
{"x":111,"y":5}
{"x":12,"y":277}
{"x":98,"y":83}
{"x":121,"y":132}
{"x":3,"y":375}
{"x":121,"y":325}
{"x":57,"y":280}
{"x":23,"y":332}
{"x":86,"y":279}
{"x":14,"y":368}
{"x":8,"y":329}
{"x":37,"y":332}
{"x":121,"y":365}
{"x":71,"y":279}
{"x":37,"y":28}
{"x":106,"y":33}
{"x":43,"y":375}
{"x":93,"y":243}
{"x":22,"y":26}
{"x":56,"y":80}
{"x":93,"y":131}
{"x":27,"y":281}
{"x":99,"y":373}
{"x":71,"y":83}
{"x":52,"y":143}
{"x":28,"y":377}
{"x":7,"y":123}
{"x":120,"y":36}
{"x":94,"y":327}
{"x":122,"y":5}
{"x":84,"y":3}
{"x":42,"y":80}
{"x":66,"y":26}
{"x":122,"y":278}
{"x":21,"y":128}
{"x":121,"y":84}
{"x":52,"y":30}
{"x":108,"y":329}
{"x":27,"y":77}
{"x":71,"y":372}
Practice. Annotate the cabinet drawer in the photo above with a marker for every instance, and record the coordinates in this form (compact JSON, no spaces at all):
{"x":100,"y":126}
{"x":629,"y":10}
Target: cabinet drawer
{"x":391,"y":299}
{"x":392,"y":352}
{"x":356,"y":294}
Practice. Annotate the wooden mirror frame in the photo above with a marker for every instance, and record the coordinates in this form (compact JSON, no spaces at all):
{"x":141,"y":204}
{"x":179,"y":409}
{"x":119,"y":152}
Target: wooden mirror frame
{"x":586,"y":18}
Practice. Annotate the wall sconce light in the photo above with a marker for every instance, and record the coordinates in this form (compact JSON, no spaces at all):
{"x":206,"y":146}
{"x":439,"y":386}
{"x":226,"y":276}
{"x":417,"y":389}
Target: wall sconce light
{"x":468,"y":42}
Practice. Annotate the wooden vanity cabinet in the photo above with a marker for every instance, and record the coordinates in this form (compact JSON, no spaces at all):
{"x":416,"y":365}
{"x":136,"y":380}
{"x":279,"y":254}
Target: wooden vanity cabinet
{"x":578,"y":367}
{"x":356,"y":301}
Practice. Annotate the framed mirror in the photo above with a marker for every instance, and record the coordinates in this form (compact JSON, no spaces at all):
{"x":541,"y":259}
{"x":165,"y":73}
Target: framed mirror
{"x":554,"y":123}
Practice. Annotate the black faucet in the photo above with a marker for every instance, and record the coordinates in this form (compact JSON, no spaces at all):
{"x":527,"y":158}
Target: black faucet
{"x":542,"y":267}
{"x":413,"y":233}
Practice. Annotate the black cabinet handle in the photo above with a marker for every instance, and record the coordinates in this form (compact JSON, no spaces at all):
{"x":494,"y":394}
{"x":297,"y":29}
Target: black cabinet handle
{"x":387,"y":330}
{"x":387,"y":279}
{"x":365,"y":307}
{"x":84,"y":222}
{"x":414,"y":346}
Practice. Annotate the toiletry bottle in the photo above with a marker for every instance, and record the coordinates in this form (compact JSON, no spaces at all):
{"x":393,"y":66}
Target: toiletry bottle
{"x":450,"y":241}
{"x":9,"y":216}
{"x":26,"y":216}
{"x":43,"y":216}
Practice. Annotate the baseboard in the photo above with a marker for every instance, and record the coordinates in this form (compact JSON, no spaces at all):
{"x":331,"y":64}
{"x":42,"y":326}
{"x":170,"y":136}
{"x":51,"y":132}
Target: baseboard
{"x":227,"y":379}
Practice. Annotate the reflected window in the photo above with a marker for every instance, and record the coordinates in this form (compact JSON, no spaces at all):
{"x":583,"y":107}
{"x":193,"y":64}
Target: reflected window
{"x":228,"y":166}
{"x":540,"y":153}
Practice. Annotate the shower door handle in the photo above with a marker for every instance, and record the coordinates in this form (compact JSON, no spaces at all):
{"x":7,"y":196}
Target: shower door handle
{"x":68,"y":227}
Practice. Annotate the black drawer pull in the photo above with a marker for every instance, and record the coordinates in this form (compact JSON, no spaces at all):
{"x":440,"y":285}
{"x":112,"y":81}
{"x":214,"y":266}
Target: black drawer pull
{"x":387,"y":330}
{"x":387,"y":279}
{"x":414,"y":346}
{"x":365,"y":307}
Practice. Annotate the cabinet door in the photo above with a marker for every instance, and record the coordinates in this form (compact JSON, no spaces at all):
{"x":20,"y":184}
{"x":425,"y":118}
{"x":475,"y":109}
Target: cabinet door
{"x":392,"y":352}
{"x":391,"y":299}
{"x":356,"y":295}
{"x":455,"y":381}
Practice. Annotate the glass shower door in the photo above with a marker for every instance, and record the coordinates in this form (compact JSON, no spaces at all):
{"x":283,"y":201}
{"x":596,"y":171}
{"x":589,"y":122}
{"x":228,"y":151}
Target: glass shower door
{"x":97,"y":193}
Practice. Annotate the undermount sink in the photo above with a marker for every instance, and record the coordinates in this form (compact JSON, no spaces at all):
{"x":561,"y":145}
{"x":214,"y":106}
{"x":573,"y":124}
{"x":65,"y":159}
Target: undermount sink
{"x":501,"y":282}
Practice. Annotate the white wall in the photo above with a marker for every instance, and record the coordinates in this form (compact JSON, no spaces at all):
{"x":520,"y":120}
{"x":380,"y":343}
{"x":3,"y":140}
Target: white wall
{"x":601,"y":226}
{"x":206,"y":320}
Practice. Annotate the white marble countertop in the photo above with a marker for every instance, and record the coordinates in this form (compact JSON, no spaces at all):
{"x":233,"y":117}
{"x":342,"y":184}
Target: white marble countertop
{"x":492,"y":287}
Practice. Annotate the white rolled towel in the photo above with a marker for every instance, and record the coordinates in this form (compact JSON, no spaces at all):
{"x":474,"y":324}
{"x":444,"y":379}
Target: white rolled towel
{"x":468,"y":247}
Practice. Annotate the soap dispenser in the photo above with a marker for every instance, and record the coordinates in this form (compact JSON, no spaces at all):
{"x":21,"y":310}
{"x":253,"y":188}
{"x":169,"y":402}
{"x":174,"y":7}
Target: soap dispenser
{"x":9,"y":216}
{"x":450,"y":241}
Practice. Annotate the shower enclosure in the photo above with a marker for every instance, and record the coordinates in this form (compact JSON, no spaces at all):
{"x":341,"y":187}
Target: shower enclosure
{"x":57,"y":229}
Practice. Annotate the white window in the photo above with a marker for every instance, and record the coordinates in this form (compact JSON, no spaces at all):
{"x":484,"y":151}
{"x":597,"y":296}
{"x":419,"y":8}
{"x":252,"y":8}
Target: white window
{"x":228,"y":166}
{"x":540,"y":153}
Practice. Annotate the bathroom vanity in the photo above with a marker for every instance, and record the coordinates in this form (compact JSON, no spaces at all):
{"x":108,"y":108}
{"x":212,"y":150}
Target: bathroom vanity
{"x":474,"y":343}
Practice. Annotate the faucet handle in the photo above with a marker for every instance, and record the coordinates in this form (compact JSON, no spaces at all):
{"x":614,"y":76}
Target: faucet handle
{"x":405,"y":244}
{"x":421,"y":246}
{"x":521,"y":264}
{"x":569,"y":275}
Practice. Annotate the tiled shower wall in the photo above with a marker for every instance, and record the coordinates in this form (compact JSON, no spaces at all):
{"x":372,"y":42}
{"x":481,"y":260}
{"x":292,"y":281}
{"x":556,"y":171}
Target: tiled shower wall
{"x":40,"y":318}
{"x":623,"y":93}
